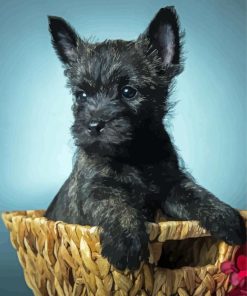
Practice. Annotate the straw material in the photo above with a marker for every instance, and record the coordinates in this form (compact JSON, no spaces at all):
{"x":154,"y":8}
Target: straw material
{"x":64,"y":259}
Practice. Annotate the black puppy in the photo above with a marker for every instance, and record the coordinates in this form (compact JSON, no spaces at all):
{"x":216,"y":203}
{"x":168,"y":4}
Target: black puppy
{"x":126,"y":167}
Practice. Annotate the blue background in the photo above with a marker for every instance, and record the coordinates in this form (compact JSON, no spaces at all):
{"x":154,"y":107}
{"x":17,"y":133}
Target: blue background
{"x":209,"y":124}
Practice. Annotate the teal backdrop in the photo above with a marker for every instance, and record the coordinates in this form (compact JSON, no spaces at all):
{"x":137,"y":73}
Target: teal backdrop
{"x":208,"y":125}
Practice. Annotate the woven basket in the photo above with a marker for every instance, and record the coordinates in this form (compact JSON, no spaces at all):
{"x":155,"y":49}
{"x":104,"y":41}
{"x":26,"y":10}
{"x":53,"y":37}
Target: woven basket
{"x":65,"y":259}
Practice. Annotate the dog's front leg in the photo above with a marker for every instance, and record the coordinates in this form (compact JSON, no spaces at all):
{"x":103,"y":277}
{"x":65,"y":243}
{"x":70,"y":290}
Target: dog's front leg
{"x":189,"y":201}
{"x":123,"y":237}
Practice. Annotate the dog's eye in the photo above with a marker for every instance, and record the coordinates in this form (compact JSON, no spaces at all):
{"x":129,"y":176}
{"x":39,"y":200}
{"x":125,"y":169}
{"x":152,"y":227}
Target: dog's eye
{"x":128,"y":92}
{"x":81,"y":96}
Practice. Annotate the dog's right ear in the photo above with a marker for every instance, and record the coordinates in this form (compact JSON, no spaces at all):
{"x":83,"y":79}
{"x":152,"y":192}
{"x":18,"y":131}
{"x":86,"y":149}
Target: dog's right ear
{"x":64,"y":39}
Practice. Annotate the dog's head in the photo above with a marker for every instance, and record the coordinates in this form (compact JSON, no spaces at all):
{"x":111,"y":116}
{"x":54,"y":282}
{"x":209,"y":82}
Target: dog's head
{"x":118,"y":85}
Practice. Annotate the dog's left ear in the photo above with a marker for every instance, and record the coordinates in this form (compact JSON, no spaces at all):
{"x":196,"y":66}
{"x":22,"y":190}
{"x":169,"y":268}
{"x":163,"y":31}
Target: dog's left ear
{"x":64,"y":39}
{"x":164,"y":35}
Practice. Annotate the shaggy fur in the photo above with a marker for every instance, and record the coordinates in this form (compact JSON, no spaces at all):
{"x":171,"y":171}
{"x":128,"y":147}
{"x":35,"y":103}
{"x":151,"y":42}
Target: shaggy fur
{"x":126,"y":167}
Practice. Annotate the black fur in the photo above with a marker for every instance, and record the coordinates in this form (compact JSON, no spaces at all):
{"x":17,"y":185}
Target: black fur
{"x":126,"y":167}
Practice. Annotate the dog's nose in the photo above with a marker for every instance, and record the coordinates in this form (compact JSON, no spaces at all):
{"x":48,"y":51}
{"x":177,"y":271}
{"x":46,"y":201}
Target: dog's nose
{"x":96,"y":127}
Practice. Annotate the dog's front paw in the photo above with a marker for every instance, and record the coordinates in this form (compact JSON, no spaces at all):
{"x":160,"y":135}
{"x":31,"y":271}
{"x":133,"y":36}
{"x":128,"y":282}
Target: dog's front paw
{"x":226,"y":224}
{"x":123,"y":248}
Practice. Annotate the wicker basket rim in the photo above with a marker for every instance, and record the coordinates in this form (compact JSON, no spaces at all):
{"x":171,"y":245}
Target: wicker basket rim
{"x":161,"y":231}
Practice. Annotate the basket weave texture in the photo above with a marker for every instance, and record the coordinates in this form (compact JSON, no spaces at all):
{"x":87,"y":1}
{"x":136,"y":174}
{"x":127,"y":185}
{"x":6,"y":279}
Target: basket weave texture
{"x":65,"y":259}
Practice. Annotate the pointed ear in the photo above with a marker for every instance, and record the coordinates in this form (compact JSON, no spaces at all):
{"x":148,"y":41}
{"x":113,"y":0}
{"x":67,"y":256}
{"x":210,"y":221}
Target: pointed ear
{"x":64,"y":39}
{"x":164,"y":35}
